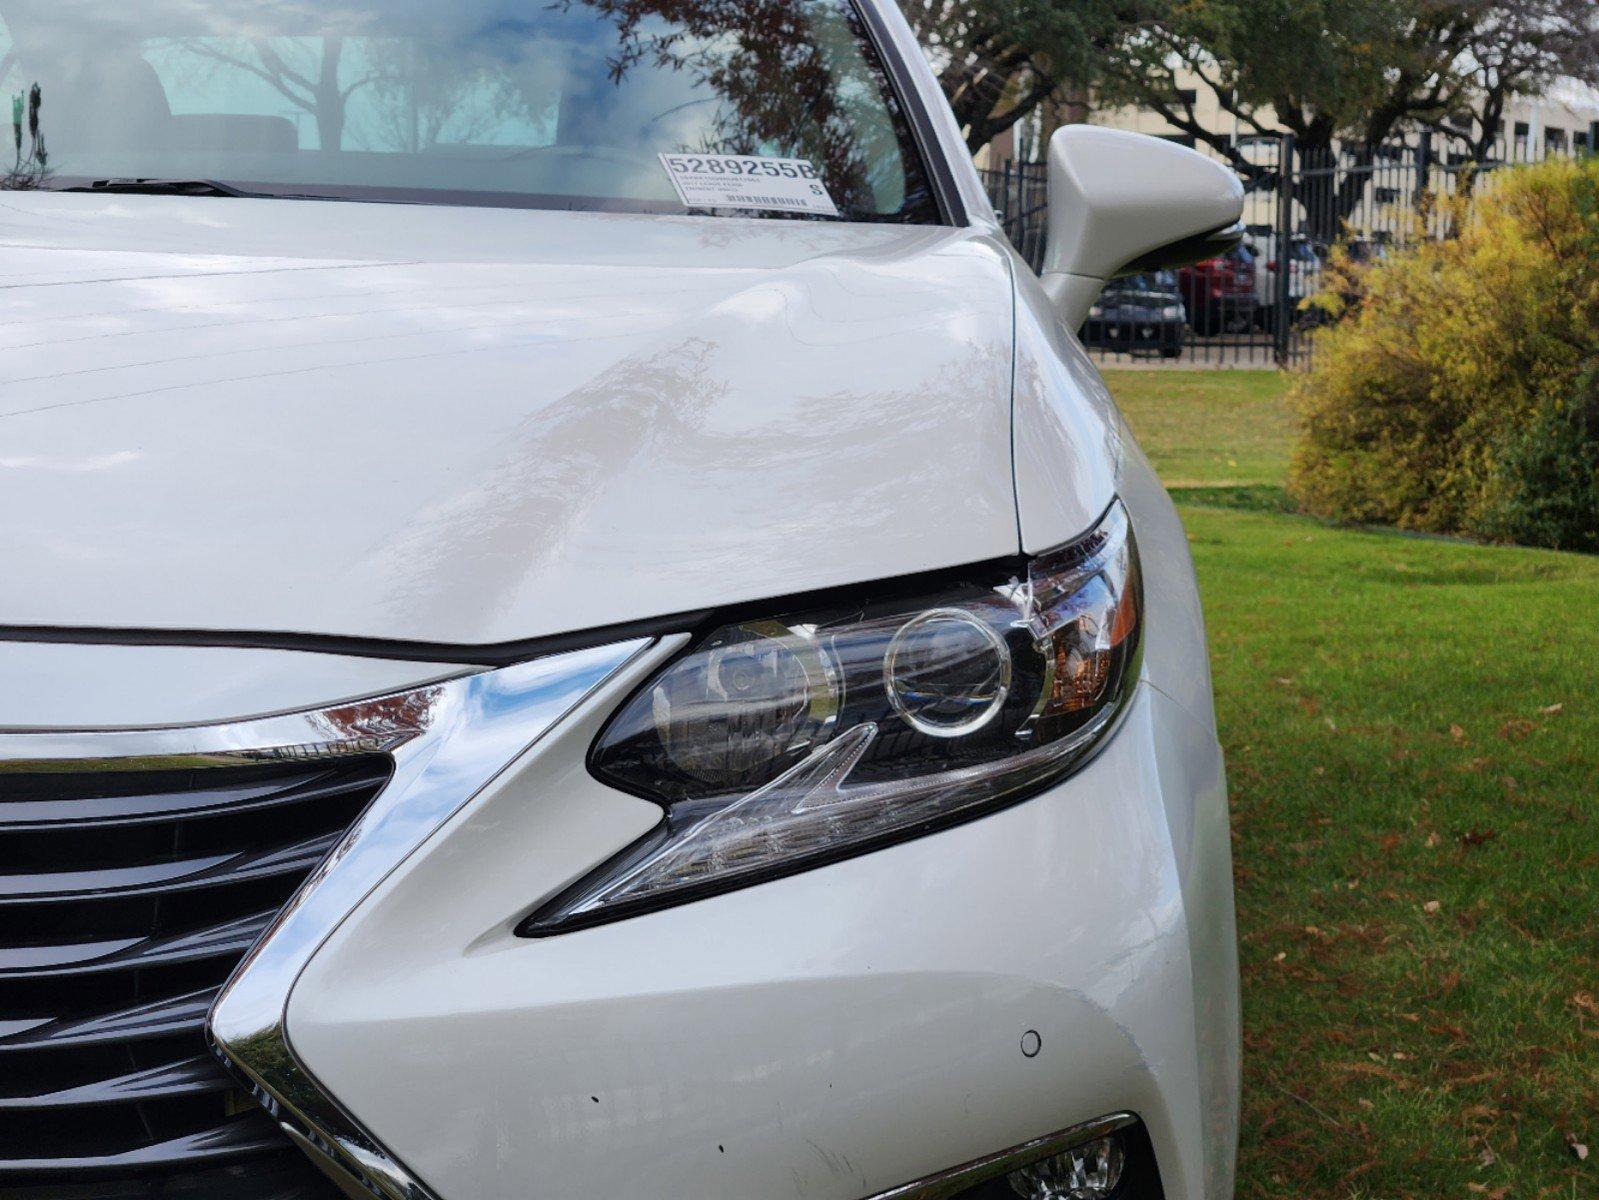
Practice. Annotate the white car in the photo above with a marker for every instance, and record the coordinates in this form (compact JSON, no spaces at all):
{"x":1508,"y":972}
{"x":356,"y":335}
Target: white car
{"x":575,"y":624}
{"x":1304,"y":273}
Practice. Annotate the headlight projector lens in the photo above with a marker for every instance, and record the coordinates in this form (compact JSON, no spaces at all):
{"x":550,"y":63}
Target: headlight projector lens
{"x":765,"y":695}
{"x":947,"y":673}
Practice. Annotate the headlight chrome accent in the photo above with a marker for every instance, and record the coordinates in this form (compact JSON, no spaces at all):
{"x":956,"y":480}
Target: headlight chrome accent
{"x":779,"y":744}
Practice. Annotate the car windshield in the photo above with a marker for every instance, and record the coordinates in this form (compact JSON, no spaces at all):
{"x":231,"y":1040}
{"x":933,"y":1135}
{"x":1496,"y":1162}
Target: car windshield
{"x":735,"y":107}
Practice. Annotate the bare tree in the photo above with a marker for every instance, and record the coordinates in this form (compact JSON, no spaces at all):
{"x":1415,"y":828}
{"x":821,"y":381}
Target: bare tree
{"x":999,"y":60}
{"x":423,"y":94}
{"x":1520,"y":47}
{"x":772,"y":76}
{"x":1356,"y":69}
{"x":314,"y":87}
{"x":1360,"y":71}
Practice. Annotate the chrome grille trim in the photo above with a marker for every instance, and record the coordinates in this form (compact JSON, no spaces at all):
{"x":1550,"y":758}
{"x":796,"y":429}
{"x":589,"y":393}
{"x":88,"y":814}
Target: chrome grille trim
{"x":473,"y":729}
{"x":445,"y":741}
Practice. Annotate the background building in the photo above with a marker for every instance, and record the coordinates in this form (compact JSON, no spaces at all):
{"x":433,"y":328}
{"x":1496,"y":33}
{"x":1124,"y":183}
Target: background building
{"x":1563,"y":121}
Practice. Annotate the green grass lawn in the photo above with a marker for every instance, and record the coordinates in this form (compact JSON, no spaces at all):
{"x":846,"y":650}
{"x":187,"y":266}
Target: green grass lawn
{"x":1412,"y":741}
{"x":1213,"y":429}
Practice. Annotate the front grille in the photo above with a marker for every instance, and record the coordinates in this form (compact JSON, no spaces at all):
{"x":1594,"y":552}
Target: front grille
{"x":126,"y":899}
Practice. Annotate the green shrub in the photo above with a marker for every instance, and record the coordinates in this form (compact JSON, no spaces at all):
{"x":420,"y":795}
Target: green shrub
{"x":1548,"y":493}
{"x":1461,"y":392}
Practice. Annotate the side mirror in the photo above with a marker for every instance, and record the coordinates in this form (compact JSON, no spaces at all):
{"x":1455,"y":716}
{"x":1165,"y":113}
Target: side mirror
{"x":1120,"y":203}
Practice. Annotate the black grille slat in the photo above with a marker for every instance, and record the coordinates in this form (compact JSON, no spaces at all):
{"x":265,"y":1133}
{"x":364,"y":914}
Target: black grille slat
{"x":126,"y":900}
{"x":179,"y":875}
{"x":42,"y":960}
{"x":159,"y":1018}
{"x":243,"y":1135}
{"x":188,"y":1077}
{"x":254,"y":1177}
{"x":230,"y":938}
{"x":106,"y":881}
{"x":98,"y":812}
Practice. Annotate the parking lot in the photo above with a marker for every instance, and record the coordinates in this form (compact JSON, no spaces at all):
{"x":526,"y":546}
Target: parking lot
{"x":1308,"y":222}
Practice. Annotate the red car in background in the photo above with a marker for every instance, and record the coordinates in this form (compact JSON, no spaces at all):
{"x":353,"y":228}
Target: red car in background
{"x":1220,"y":292}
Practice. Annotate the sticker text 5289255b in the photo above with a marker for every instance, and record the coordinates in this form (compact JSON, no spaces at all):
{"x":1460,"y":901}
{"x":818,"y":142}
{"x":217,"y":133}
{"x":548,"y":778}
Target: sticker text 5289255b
{"x":748,"y":181}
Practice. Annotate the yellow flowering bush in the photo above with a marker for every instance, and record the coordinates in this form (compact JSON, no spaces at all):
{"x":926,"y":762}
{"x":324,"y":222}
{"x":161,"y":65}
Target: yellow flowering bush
{"x":1460,"y":392}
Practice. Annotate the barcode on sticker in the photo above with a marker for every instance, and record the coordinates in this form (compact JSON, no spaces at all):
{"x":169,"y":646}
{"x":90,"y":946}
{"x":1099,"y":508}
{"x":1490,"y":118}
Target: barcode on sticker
{"x":779,"y":201}
{"x":748,"y":181}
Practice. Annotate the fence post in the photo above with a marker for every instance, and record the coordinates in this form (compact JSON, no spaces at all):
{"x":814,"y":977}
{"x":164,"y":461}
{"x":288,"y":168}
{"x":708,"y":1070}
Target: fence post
{"x":1282,"y":299}
{"x":1014,"y":224}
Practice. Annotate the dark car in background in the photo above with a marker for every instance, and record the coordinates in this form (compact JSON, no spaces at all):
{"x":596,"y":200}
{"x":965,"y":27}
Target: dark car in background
{"x":1139,"y":313}
{"x":1220,"y":292}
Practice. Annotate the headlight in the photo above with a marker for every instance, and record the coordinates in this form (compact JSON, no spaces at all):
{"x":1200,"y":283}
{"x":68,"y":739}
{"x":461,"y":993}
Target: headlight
{"x":780,"y":743}
{"x":1173,"y":312}
{"x":1096,"y":310}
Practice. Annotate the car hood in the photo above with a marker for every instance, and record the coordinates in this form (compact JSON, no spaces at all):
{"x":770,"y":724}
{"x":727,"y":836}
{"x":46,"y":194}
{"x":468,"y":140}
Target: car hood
{"x":473,"y":426}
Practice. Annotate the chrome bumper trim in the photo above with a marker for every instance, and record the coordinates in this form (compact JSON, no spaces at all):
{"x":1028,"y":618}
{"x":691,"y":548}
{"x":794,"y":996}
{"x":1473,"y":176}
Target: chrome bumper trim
{"x":952,"y":1182}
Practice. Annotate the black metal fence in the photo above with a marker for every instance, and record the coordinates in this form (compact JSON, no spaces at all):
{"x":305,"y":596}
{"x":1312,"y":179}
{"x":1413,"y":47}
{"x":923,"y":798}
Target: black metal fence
{"x":1253,"y":307}
{"x":1020,"y":197}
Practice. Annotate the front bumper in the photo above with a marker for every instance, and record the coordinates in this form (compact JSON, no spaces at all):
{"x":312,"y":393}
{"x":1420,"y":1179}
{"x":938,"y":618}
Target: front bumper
{"x":1151,"y":332}
{"x":834,"y":1034}
{"x":841,"y":1033}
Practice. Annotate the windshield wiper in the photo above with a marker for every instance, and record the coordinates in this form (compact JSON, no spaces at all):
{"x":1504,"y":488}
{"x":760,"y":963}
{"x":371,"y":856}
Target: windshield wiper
{"x":163,"y":187}
{"x":185,"y":187}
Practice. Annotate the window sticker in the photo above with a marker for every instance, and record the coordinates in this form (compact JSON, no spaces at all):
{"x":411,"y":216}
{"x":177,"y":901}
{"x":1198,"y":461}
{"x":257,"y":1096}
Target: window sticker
{"x":748,"y":181}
